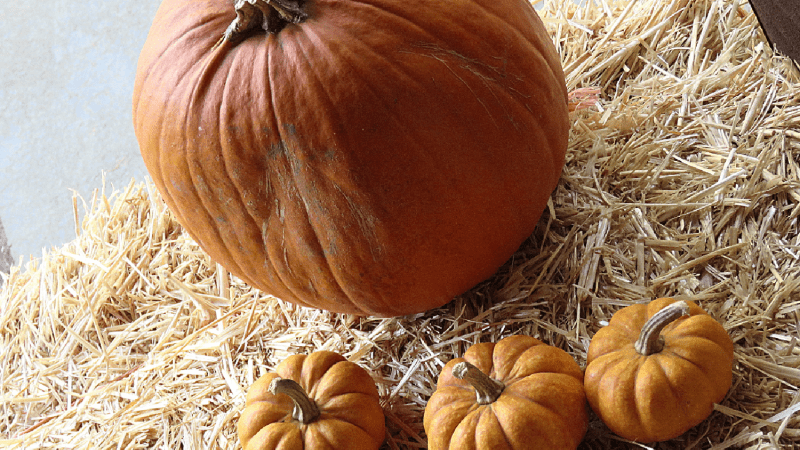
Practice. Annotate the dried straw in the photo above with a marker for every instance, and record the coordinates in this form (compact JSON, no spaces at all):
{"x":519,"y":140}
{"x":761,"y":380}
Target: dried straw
{"x":682,"y":180}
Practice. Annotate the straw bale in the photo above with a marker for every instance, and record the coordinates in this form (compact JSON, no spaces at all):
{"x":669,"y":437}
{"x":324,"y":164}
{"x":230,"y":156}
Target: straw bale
{"x":681,"y":180}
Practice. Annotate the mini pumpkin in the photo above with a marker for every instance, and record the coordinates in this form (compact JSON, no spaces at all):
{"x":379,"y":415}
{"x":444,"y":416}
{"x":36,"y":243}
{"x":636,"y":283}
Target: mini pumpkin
{"x":516,"y":394}
{"x":657,"y":369}
{"x":376,"y":157}
{"x":320,"y":401}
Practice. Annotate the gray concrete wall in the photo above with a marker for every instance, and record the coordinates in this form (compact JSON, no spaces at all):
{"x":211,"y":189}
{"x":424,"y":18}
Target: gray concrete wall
{"x":66,"y":80}
{"x":5,"y":253}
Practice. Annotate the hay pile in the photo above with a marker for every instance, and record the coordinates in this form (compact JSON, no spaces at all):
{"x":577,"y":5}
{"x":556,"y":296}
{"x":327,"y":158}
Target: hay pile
{"x":681,"y":181}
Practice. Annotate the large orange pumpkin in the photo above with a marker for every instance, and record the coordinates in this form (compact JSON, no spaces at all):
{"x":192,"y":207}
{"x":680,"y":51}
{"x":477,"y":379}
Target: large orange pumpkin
{"x":371,"y":157}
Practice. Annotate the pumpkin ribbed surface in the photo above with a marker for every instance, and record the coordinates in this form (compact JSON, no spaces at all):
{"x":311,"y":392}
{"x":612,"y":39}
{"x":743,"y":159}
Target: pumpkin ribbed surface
{"x":658,"y":396}
{"x":540,"y":403}
{"x":348,"y":413}
{"x":379,"y":157}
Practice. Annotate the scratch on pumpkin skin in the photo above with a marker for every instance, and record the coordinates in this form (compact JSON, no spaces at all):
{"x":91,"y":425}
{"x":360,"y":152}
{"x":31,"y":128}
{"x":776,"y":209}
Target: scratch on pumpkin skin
{"x":477,"y":97}
{"x":285,"y":252}
{"x":269,"y":260}
{"x":479,"y":69}
{"x":366,"y":225}
{"x":201,"y":184}
{"x":285,"y":169}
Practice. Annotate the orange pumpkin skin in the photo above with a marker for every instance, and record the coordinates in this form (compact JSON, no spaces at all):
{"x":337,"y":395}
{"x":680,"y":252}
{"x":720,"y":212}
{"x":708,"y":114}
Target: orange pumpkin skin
{"x":543,"y":405}
{"x":660,"y":396}
{"x":378,"y":158}
{"x":350,"y":413}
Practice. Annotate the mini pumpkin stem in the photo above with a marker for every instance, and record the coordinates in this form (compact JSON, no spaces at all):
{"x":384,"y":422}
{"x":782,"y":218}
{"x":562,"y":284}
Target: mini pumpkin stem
{"x":305,"y":410}
{"x":270,"y":15}
{"x":650,"y":340}
{"x":486,"y":388}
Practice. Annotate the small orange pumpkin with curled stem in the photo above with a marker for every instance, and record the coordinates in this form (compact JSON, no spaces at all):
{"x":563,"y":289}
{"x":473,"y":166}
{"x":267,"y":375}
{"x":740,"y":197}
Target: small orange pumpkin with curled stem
{"x":318,"y":401}
{"x":657,"y":369}
{"x":518,"y":393}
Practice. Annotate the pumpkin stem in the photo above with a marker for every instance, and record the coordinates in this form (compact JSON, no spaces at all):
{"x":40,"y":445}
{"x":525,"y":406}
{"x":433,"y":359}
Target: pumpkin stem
{"x":650,"y":340}
{"x":269,"y":15}
{"x":305,"y":410}
{"x":486,"y":388}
